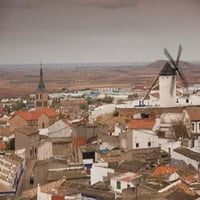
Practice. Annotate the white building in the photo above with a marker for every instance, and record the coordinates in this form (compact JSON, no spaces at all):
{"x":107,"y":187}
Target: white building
{"x":188,"y":156}
{"x":124,"y":181}
{"x":101,"y":110}
{"x":142,"y":139}
{"x":194,"y":116}
{"x":167,"y":120}
{"x":44,"y":150}
{"x":11,"y":168}
{"x":141,"y":134}
{"x":98,"y":171}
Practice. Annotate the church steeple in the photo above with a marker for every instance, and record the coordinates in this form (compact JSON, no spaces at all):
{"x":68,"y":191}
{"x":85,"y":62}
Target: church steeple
{"x":41,"y":86}
{"x":41,"y":97}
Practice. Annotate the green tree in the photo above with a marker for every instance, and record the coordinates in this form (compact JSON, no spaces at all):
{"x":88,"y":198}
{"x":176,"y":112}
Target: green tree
{"x":84,"y":106}
{"x":56,"y":103}
{"x":18,"y":106}
{"x":107,"y":99}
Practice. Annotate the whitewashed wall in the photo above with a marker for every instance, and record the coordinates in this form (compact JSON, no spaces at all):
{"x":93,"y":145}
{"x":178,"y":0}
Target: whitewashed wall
{"x":98,"y":171}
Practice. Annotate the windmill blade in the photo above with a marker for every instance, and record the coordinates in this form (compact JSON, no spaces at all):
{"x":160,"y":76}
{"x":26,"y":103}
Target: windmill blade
{"x":166,"y":52}
{"x":182,"y":76}
{"x":178,"y":55}
{"x":150,"y":89}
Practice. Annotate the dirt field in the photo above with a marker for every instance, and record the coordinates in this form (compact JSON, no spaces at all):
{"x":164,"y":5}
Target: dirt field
{"x":23,"y":79}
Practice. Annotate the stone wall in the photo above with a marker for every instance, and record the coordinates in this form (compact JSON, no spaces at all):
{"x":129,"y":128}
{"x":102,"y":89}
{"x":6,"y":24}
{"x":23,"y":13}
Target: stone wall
{"x":129,"y":112}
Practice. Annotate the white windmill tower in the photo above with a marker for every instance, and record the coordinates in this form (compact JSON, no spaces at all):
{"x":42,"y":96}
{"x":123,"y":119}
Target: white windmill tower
{"x":167,"y":81}
{"x":167,"y":86}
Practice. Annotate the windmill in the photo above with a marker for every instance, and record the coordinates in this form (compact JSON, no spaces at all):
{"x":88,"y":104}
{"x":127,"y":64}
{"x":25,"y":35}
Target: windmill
{"x":177,"y":69}
{"x":167,"y":81}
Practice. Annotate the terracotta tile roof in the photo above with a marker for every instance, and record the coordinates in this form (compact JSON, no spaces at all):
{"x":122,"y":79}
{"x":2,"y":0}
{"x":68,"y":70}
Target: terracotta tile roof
{"x":164,"y":170}
{"x":188,"y":174}
{"x":127,"y":177}
{"x":141,"y":124}
{"x":35,"y":114}
{"x":80,"y":141}
{"x":194,"y":114}
{"x":2,"y":146}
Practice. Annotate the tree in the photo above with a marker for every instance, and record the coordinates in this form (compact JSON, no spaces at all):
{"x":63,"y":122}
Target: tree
{"x":180,"y":130}
{"x":115,"y":113}
{"x":133,"y":96}
{"x":84,"y":106}
{"x":56,"y":103}
{"x":18,"y":106}
{"x":107,"y":99}
{"x":61,"y":115}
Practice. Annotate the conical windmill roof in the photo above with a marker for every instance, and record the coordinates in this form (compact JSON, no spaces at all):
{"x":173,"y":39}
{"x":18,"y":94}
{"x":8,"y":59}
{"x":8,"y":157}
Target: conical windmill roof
{"x":167,"y":70}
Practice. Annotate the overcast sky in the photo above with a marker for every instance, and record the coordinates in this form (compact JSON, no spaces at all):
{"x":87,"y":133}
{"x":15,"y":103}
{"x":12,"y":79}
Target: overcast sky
{"x":59,"y":31}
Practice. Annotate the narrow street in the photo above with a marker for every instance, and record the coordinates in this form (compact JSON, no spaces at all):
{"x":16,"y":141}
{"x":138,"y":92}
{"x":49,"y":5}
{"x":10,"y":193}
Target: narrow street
{"x":27,"y":173}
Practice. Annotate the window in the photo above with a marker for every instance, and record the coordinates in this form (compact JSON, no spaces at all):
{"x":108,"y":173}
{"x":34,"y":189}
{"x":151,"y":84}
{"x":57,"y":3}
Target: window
{"x":137,"y":145}
{"x":169,"y":150}
{"x":40,"y":96}
{"x":118,"y":185}
{"x":193,"y":127}
{"x":43,"y":125}
{"x":36,"y":96}
{"x":39,"y":104}
{"x":149,"y":144}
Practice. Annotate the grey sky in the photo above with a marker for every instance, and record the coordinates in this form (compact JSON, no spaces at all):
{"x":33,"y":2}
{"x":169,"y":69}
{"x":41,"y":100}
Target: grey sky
{"x":97,"y":30}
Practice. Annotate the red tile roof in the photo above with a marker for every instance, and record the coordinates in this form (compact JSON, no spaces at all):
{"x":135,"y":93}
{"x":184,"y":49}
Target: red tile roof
{"x":194,"y":114}
{"x":80,"y":141}
{"x":141,"y":124}
{"x":35,"y":114}
{"x":127,"y":177}
{"x":2,"y":146}
{"x":163,"y":170}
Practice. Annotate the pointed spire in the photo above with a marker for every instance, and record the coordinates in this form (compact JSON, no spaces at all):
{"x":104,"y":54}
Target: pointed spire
{"x":41,"y":86}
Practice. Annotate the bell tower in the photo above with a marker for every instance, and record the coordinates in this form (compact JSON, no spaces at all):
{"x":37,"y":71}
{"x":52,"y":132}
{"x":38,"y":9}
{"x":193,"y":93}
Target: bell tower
{"x":41,"y":96}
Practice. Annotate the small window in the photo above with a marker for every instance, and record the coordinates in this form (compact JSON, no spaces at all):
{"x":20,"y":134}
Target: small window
{"x":193,"y":126}
{"x":118,"y":185}
{"x":36,"y":96}
{"x":40,"y":96}
{"x":45,"y":104}
{"x":137,"y":145}
{"x":43,"y":125}
{"x":149,"y":144}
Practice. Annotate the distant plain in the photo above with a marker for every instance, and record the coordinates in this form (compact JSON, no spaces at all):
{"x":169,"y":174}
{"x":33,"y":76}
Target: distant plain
{"x":20,"y":80}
